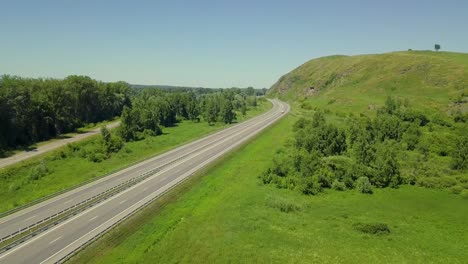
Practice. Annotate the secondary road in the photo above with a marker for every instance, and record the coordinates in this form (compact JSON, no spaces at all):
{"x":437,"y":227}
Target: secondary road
{"x":161,"y":173}
{"x":51,"y":146}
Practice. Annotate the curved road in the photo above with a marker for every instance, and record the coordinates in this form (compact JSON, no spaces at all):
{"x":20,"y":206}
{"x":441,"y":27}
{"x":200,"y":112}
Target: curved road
{"x":152,"y":178}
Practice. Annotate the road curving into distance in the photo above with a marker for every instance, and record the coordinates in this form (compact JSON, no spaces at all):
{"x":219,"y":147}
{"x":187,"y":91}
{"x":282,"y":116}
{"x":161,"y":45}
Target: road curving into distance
{"x":58,"y":227}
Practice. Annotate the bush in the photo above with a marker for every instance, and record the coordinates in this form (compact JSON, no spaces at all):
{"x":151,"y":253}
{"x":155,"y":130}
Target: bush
{"x":457,"y":189}
{"x":266,"y":177}
{"x":38,"y":172}
{"x":363,"y":185}
{"x":96,"y":157}
{"x":372,"y":228}
{"x":325,"y":177}
{"x":411,"y":136}
{"x":283,"y":205}
{"x":429,"y":182}
{"x":460,"y":153}
{"x":280,"y":165}
{"x":464,"y":194}
{"x":386,"y":166}
{"x":310,"y":186}
{"x":339,"y":186}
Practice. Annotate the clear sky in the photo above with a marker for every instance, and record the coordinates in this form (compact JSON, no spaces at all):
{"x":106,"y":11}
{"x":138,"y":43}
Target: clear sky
{"x":213,"y":43}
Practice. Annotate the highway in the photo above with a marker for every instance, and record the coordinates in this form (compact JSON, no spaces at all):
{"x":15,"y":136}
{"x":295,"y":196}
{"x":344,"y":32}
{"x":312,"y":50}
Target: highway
{"x":143,"y":183}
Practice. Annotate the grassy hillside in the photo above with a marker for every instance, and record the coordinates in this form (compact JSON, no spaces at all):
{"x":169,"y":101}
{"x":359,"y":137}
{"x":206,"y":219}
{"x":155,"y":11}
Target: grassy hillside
{"x":429,"y":80}
{"x":413,"y":104}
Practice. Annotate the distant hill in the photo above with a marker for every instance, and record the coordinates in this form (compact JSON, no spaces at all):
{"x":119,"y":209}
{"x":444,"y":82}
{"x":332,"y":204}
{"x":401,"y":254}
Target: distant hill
{"x":428,"y":80}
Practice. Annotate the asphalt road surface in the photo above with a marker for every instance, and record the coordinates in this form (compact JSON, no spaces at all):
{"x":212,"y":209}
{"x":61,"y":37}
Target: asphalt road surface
{"x":165,"y":171}
{"x":51,"y":146}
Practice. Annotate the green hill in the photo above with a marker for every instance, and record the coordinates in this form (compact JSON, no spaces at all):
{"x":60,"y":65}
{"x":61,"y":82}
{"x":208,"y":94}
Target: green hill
{"x":428,"y":80}
{"x":412,"y":103}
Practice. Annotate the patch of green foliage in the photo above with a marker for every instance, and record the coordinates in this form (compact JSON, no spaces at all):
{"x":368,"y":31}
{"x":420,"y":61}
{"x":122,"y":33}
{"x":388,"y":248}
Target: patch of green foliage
{"x":395,"y":147}
{"x":372,"y":228}
{"x":34,"y":110}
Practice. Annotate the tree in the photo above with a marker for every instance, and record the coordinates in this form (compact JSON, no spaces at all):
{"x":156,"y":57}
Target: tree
{"x":250,"y":91}
{"x":243,"y":109}
{"x":211,"y":110}
{"x":437,"y":47}
{"x":460,"y":153}
{"x":128,"y":128}
{"x":106,"y":136}
{"x":193,"y":110}
{"x":386,"y":167}
{"x":227,"y":112}
{"x":363,"y":185}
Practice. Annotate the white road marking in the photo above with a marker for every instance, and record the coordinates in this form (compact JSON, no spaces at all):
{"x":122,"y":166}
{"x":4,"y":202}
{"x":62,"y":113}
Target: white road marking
{"x":30,"y":218}
{"x":120,"y":194}
{"x":123,"y":201}
{"x":55,"y":240}
{"x":93,"y":218}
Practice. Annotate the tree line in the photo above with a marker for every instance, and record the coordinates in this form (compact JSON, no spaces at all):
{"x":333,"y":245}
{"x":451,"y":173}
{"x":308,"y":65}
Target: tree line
{"x":153,"y":108}
{"x":33,"y":110}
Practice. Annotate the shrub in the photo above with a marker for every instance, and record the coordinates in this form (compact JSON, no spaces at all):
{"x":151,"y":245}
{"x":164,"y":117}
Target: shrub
{"x":372,"y":228}
{"x":266,"y":177}
{"x":363,"y":185}
{"x":457,"y":189}
{"x":38,"y":172}
{"x":386,"y":166}
{"x":310,"y":185}
{"x":460,"y":153}
{"x":429,"y":182}
{"x":280,"y":165}
{"x":96,"y":157}
{"x":411,"y":136}
{"x":464,"y":194}
{"x":460,"y":117}
{"x":325,"y":177}
{"x":283,"y":205}
{"x":338,"y":185}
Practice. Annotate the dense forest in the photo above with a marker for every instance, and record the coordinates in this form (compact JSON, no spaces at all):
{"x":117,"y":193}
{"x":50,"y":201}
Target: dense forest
{"x":399,"y":145}
{"x":33,"y":110}
{"x":154,"y":108}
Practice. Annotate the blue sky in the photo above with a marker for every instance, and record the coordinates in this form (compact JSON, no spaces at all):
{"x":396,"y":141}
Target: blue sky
{"x":213,"y":43}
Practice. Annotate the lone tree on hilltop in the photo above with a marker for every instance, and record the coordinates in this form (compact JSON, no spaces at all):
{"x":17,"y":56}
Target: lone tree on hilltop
{"x":437,"y":47}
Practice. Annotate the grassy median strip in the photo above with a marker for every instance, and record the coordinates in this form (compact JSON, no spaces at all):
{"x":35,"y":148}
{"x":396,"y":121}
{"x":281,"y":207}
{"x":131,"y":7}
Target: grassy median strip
{"x":228,"y":216}
{"x":21,"y":184}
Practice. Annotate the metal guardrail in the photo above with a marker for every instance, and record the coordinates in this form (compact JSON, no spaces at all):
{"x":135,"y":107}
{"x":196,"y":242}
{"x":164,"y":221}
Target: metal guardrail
{"x":47,"y":197}
{"x":99,"y":198}
{"x":94,"y":238}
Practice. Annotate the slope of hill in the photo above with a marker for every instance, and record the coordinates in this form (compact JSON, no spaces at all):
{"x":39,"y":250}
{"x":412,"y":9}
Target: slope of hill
{"x":428,"y":80}
{"x":412,"y":103}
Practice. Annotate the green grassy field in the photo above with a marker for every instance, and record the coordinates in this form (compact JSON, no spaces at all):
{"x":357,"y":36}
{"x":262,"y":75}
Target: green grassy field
{"x":18,"y":188}
{"x":228,"y":216}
